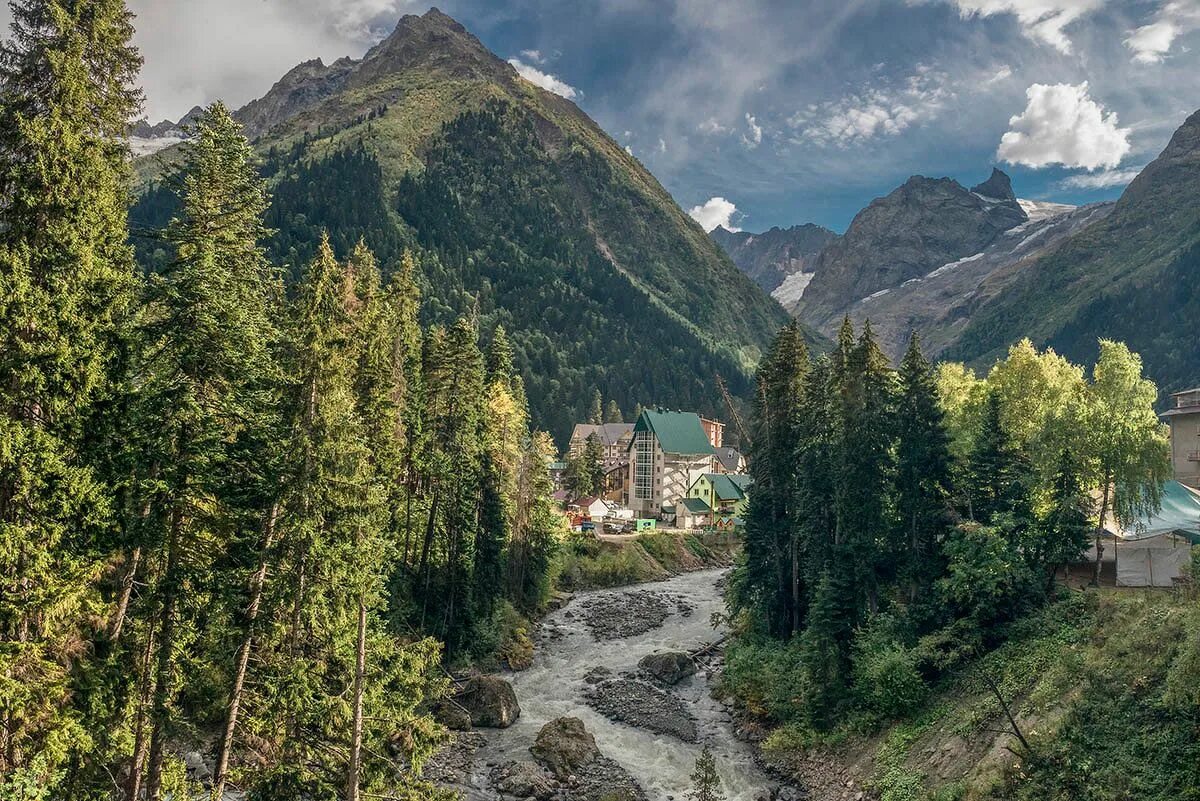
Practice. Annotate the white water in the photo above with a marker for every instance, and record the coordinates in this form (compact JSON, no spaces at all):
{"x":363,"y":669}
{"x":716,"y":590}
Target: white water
{"x":553,"y":687}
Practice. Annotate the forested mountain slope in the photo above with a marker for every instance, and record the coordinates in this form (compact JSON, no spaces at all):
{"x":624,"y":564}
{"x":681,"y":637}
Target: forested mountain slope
{"x":521,"y":208}
{"x":1131,"y":276}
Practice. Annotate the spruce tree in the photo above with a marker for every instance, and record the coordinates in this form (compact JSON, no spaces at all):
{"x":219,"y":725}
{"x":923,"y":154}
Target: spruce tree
{"x":208,"y":375}
{"x":706,"y":782}
{"x":67,"y":90}
{"x":1062,"y":535}
{"x":997,"y":480}
{"x":922,"y":473}
{"x":612,"y":412}
{"x":596,"y":410}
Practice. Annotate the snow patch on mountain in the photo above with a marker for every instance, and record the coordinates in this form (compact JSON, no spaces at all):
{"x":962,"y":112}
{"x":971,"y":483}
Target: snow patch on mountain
{"x":1037,"y":210}
{"x":792,"y":288}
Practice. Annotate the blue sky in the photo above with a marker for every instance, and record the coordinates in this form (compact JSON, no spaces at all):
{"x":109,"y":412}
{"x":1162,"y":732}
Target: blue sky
{"x":788,"y":112}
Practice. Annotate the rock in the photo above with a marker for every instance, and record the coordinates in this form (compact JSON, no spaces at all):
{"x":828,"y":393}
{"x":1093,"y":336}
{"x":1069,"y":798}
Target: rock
{"x":564,"y":746}
{"x":197,"y":767}
{"x":455,"y":760}
{"x":524,"y":780}
{"x":619,"y":615}
{"x":453,"y":715}
{"x":639,"y":704}
{"x":490,"y":701}
{"x":669,"y":667}
{"x":597,"y":675}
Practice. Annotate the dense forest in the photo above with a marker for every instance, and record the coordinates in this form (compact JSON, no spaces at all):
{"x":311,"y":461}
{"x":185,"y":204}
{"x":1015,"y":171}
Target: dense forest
{"x":496,"y":232}
{"x":229,"y":513}
{"x":906,"y":523}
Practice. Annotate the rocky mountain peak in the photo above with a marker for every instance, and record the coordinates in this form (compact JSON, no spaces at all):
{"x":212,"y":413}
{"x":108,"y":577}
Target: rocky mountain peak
{"x":998,"y":186}
{"x":431,"y":41}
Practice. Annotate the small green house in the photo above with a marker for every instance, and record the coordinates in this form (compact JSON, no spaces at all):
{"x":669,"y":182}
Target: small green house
{"x":725,"y":493}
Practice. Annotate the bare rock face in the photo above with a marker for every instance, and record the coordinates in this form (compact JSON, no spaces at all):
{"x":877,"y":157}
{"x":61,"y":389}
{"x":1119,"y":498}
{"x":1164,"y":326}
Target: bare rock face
{"x":773,"y":255}
{"x":669,"y":667}
{"x":920,"y":226}
{"x":491,"y":702}
{"x":564,"y":746}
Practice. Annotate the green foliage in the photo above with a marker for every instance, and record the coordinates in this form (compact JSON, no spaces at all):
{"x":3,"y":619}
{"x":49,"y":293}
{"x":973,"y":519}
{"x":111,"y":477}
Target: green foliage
{"x":706,"y":782}
{"x":886,"y":675}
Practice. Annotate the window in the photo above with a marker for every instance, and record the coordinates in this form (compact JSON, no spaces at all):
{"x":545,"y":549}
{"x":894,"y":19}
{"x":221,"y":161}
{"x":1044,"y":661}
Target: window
{"x":643,"y":457}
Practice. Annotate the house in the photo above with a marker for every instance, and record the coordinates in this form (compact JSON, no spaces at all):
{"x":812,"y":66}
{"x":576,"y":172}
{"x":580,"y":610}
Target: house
{"x":616,"y":482}
{"x":730,"y":460}
{"x":692,"y":513}
{"x":1153,"y":551}
{"x":614,"y":439}
{"x":593,"y":506}
{"x":726,"y":493}
{"x":1184,"y":420}
{"x":668,"y":451}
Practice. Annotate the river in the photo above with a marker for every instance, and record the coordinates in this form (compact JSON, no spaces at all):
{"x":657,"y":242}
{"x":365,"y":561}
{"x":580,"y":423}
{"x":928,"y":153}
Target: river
{"x":554,"y":686}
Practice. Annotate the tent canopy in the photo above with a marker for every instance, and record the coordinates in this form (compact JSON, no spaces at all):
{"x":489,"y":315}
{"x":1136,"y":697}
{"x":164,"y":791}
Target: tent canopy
{"x":1179,"y":515}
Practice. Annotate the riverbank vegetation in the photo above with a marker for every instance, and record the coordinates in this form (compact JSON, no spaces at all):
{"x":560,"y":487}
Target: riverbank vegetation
{"x":234,"y":518}
{"x":586,"y":563}
{"x":897,"y":596}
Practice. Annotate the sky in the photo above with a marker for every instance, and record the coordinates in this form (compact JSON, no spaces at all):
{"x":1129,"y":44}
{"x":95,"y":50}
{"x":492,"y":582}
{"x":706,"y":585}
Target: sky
{"x":760,"y":113}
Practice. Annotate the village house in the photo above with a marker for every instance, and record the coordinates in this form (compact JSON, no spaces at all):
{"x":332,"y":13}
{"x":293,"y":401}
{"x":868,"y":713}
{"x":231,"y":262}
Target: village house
{"x":714,"y":430}
{"x":730,"y":460}
{"x":614,"y":440}
{"x":725,"y":493}
{"x":692,"y":513}
{"x":669,"y":450}
{"x":1184,"y":420}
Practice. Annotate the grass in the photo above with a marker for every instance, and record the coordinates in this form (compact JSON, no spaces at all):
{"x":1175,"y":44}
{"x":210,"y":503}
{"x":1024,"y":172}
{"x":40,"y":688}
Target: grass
{"x":593,"y":564}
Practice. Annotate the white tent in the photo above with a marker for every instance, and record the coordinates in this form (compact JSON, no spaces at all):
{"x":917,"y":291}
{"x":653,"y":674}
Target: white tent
{"x":1154,"y":550}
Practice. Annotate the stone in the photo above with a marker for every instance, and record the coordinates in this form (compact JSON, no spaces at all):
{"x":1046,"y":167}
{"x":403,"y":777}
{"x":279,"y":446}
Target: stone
{"x":669,"y":667}
{"x":490,"y":701}
{"x":564,"y":746}
{"x":453,"y":715}
{"x":524,"y":780}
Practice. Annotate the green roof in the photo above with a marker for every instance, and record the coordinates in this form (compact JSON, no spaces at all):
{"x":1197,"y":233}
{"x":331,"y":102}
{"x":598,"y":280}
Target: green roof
{"x":677,"y":432}
{"x":696,"y":506}
{"x":1180,"y":514}
{"x":727,"y":487}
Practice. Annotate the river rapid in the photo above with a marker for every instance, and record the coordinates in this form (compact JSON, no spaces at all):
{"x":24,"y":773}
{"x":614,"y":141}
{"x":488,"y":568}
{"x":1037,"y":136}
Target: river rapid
{"x":568,"y":650}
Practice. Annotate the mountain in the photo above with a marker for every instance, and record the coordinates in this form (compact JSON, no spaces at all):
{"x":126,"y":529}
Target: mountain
{"x":920,"y":226}
{"x":522,"y":211}
{"x":146,"y":139}
{"x":774,"y":256}
{"x":1133,"y":275}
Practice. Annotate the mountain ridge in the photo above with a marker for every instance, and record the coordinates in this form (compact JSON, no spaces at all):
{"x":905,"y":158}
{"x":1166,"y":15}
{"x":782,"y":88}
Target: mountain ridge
{"x":528,"y":213}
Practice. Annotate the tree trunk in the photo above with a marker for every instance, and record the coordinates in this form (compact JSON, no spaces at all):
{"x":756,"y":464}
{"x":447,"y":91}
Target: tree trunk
{"x":1100,"y":528}
{"x":131,"y":567}
{"x":356,"y":728}
{"x":134,"y":781}
{"x":166,"y":663}
{"x":257,"y":583}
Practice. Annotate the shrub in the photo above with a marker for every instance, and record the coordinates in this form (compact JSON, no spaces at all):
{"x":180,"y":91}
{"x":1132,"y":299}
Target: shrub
{"x":887,"y":680}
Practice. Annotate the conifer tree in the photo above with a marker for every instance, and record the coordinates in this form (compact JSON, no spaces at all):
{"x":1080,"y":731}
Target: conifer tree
{"x":596,"y":409}
{"x":67,"y":90}
{"x":996,"y":482}
{"x":612,"y":412}
{"x":922,"y":472}
{"x":1062,"y":535}
{"x":706,"y":782}
{"x":209,"y":377}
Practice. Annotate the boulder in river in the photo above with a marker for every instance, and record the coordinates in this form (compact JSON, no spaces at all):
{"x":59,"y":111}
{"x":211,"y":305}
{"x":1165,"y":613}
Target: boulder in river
{"x":640,"y":704}
{"x":453,"y":715}
{"x":524,"y":780}
{"x":564,"y":746}
{"x":490,"y":701}
{"x":669,"y":667}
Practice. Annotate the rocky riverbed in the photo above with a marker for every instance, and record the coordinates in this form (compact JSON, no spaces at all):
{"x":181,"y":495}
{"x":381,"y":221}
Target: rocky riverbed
{"x":640,"y":728}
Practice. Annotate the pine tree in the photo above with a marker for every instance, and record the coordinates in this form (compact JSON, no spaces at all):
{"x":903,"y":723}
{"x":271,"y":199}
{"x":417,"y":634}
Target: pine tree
{"x":922,"y":473}
{"x":67,"y":90}
{"x":997,"y":480}
{"x":612,"y":412}
{"x":593,"y":463}
{"x":1062,"y":535}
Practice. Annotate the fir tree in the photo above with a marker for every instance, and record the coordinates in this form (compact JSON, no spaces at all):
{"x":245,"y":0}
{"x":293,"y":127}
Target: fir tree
{"x":922,"y":472}
{"x":706,"y":782}
{"x":1062,"y":535}
{"x":596,"y":410}
{"x":67,"y":90}
{"x":209,"y":376}
{"x":612,"y":412}
{"x":997,"y":483}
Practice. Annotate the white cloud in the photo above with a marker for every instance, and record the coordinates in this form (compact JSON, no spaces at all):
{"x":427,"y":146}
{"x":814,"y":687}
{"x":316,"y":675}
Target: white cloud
{"x":715,"y":211}
{"x":1061,"y":124}
{"x":1100,"y":180}
{"x":548,"y":82}
{"x":1151,"y":42}
{"x":662,"y":145}
{"x":534,"y":55}
{"x":711,"y":126}
{"x":1041,"y":20}
{"x":876,"y":111}
{"x":1002,"y":74}
{"x":753,"y":138}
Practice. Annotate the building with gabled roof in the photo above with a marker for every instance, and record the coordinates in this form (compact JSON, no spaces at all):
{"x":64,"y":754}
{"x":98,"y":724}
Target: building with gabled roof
{"x":614,"y":439}
{"x":668,"y":451}
{"x":730,"y":460}
{"x":726,"y":493}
